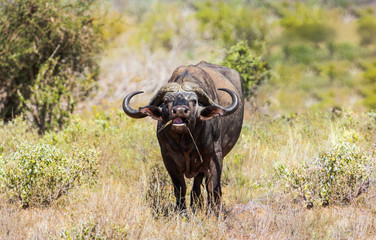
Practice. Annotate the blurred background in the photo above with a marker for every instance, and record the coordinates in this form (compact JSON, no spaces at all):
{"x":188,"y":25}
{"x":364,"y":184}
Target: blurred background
{"x":321,"y":54}
{"x":294,"y":56}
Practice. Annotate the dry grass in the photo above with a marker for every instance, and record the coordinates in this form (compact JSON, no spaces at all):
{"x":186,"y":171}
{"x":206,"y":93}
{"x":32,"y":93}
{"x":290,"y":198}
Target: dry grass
{"x":115,"y":211}
{"x":117,"y":207}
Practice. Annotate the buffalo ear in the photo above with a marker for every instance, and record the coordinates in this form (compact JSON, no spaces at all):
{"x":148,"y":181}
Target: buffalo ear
{"x":152,"y":111}
{"x":210,"y":112}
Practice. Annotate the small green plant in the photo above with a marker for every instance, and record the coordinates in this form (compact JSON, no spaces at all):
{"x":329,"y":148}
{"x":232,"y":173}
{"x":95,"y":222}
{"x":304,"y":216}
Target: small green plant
{"x":252,"y":70}
{"x":336,"y":176}
{"x":84,"y":231}
{"x":37,"y":175}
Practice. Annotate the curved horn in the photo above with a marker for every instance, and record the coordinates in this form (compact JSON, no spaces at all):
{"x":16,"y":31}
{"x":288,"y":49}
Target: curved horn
{"x":235,"y":101}
{"x":204,"y":99}
{"x":130,"y":111}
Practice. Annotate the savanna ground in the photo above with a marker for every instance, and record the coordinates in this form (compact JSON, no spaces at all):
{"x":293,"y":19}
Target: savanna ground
{"x":317,"y":96}
{"x":133,"y":197}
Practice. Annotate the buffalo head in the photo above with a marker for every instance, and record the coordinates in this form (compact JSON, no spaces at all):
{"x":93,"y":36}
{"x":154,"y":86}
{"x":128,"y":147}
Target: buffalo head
{"x":182,"y":105}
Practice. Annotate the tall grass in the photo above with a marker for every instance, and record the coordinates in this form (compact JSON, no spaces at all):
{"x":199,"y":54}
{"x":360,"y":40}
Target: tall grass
{"x":133,"y":197}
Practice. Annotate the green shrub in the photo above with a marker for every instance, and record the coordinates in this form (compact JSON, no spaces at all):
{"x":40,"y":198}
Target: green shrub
{"x":369,"y":94}
{"x":46,"y":45}
{"x":85,"y":231}
{"x":37,"y":175}
{"x":302,"y":22}
{"x":231,"y":22}
{"x":344,"y":51}
{"x":367,"y":29}
{"x":336,"y":176}
{"x":369,"y":73}
{"x":114,"y":24}
{"x":310,"y":32}
{"x":334,"y":70}
{"x":51,"y":98}
{"x":302,"y":53}
{"x":163,"y":27}
{"x":252,"y":70}
{"x":368,"y":86}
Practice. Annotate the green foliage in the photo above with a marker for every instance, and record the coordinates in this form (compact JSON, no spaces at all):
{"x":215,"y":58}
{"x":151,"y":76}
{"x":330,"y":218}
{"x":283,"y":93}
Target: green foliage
{"x":310,"y":32}
{"x":304,"y":29}
{"x":367,"y":29}
{"x":84,"y":231}
{"x":368,"y":88}
{"x":344,"y":51}
{"x":306,"y":23}
{"x":336,"y":176}
{"x":335,"y":70}
{"x":114,"y":24}
{"x":252,"y":70}
{"x":51,"y":99}
{"x":303,"y":53}
{"x":38,"y":174}
{"x":369,"y":73}
{"x":163,"y":27}
{"x":231,"y":21}
{"x":46,"y":45}
{"x":369,"y":97}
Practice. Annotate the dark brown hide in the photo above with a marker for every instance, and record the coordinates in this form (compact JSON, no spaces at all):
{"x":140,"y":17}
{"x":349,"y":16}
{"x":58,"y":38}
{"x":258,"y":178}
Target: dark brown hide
{"x":215,"y":135}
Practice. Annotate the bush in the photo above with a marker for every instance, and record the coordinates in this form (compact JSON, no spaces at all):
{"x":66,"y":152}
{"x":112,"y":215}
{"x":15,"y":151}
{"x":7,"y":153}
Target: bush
{"x":303,"y":53}
{"x":302,"y":22}
{"x":37,"y":175}
{"x":334,"y":70}
{"x":368,"y":86}
{"x":310,"y":32}
{"x":344,"y":51}
{"x":367,"y":29}
{"x":231,"y":22}
{"x":369,"y":94}
{"x":252,"y":70}
{"x":165,"y":27}
{"x":47,"y":48}
{"x":336,"y":176}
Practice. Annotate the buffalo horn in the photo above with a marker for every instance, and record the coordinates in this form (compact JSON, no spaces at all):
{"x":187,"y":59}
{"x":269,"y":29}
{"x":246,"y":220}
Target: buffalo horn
{"x":130,"y":111}
{"x":205,"y":100}
{"x":235,"y":101}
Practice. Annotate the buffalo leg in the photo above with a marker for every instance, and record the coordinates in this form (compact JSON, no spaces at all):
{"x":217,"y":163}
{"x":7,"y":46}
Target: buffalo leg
{"x":196,"y":199}
{"x":178,"y":181}
{"x":180,"y":190}
{"x":214,"y":190}
{"x":213,"y":183}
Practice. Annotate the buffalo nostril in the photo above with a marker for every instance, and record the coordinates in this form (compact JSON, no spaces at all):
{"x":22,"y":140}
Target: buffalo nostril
{"x":173,"y":111}
{"x":186,"y":111}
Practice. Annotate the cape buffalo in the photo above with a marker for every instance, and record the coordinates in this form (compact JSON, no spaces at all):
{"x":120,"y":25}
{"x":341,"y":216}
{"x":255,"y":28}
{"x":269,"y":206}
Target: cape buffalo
{"x":197,"y":126}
